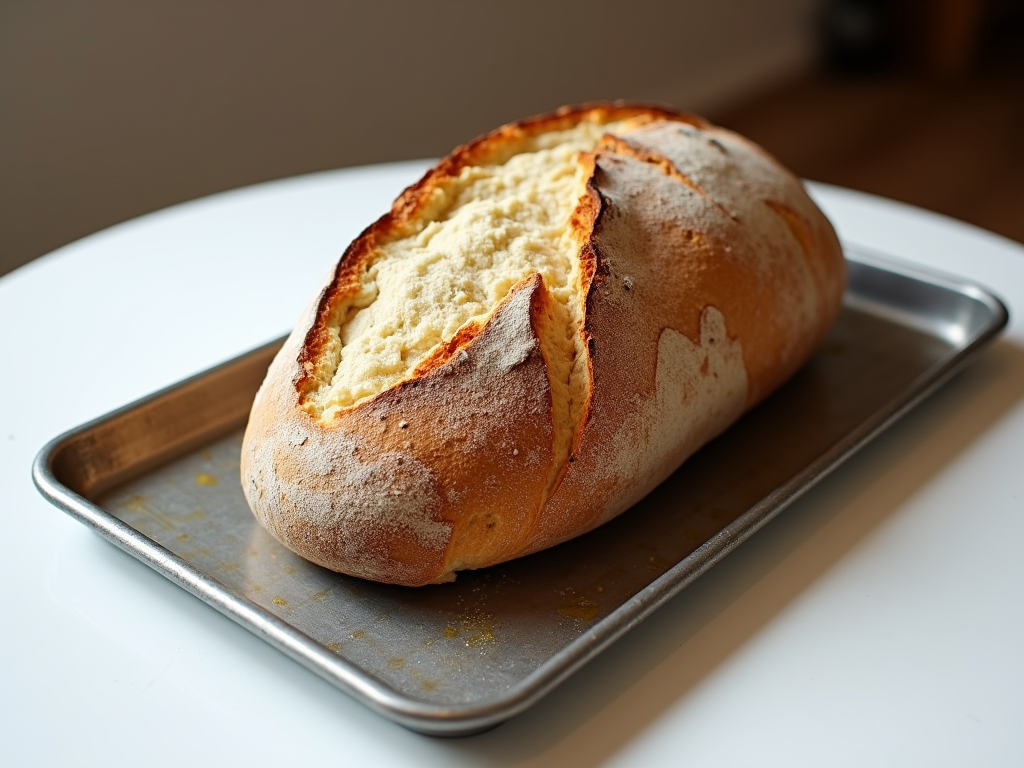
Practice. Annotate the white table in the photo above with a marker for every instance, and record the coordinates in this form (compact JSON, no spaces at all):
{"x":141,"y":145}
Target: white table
{"x":879,"y":621}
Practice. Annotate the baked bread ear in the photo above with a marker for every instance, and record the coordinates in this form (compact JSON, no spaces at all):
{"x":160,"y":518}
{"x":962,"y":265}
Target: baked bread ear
{"x":539,"y":332}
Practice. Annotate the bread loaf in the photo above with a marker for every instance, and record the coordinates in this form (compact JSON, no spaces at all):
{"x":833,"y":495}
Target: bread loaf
{"x":539,"y":332}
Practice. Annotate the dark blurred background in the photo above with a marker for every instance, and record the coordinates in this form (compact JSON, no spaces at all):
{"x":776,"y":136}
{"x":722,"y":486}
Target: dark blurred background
{"x":110,"y":109}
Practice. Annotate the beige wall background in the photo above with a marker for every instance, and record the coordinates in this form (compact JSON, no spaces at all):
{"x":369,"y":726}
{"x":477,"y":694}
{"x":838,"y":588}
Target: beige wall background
{"x":110,"y":109}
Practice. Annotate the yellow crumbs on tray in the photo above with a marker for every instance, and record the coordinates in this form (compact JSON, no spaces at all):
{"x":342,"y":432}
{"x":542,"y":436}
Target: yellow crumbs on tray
{"x":205,"y":479}
{"x":584,"y":610}
{"x":479,"y":633}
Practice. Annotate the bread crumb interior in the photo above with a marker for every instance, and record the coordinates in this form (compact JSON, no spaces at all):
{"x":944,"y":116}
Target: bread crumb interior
{"x":485,"y":231}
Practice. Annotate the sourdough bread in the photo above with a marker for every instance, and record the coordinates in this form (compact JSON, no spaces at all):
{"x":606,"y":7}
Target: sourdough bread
{"x":539,"y":331}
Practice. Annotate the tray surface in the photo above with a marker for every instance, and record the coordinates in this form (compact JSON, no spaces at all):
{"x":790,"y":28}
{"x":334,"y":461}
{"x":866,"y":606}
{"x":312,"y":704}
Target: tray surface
{"x":160,"y":479}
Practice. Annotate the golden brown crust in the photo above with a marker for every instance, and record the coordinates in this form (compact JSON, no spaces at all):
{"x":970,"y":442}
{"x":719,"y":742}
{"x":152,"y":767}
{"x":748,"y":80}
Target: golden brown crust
{"x":708,"y":277}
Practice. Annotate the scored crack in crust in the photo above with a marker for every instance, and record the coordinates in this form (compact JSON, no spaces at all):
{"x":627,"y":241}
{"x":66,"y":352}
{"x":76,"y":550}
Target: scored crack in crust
{"x":423,"y":295}
{"x":427,"y":282}
{"x":540,"y":331}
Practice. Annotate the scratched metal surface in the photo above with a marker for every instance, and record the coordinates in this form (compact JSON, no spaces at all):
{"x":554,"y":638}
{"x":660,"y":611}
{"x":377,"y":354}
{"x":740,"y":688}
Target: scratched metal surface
{"x":459,"y":657}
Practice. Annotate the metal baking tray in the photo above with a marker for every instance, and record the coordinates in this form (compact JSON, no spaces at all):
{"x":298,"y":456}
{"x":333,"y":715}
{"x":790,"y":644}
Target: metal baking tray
{"x":159,"y":478}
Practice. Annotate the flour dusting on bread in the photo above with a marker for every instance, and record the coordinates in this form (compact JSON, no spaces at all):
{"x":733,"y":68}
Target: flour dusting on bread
{"x":700,"y":388}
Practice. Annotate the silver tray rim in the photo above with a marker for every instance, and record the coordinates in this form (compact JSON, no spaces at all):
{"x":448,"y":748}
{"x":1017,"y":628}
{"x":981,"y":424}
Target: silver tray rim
{"x":465,"y":719}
